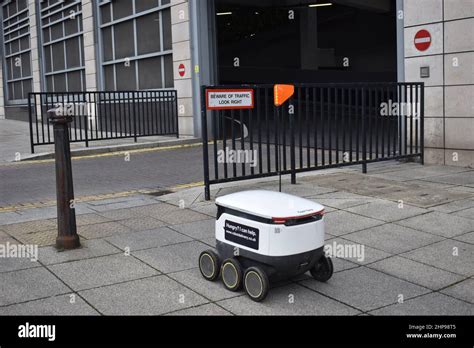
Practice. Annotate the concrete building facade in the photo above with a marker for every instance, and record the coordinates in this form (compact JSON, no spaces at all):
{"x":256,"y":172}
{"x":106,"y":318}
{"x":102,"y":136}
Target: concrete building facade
{"x":79,"y":45}
{"x":449,"y":89}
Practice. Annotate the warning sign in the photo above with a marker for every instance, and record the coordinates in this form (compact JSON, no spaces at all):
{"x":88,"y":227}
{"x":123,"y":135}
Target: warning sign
{"x":181,"y":70}
{"x":422,"y":40}
{"x":222,"y":99}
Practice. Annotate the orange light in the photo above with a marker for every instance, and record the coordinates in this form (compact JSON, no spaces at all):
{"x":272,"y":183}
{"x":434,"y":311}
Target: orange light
{"x":282,"y":93}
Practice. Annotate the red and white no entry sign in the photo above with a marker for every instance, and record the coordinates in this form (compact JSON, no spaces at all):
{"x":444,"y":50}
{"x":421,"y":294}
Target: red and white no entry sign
{"x":181,"y":70}
{"x":422,"y":40}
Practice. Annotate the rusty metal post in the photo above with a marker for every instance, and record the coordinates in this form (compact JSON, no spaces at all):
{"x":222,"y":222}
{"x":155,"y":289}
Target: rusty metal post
{"x":67,"y":231}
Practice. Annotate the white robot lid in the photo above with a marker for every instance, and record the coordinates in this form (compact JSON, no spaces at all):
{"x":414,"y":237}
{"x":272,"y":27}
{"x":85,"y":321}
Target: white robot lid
{"x":270,"y":204}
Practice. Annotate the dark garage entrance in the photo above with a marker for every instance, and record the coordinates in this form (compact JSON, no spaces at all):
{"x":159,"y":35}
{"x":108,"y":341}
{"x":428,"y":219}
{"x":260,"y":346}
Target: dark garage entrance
{"x":292,"y":41}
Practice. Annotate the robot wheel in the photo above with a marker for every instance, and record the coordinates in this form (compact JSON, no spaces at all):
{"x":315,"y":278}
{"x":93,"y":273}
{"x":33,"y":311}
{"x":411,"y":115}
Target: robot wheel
{"x":209,"y":264}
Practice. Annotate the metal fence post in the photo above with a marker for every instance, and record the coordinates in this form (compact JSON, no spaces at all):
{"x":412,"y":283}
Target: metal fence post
{"x":364,"y":134}
{"x":176,"y":110}
{"x":292,"y":147}
{"x":135,"y":117}
{"x":86,"y":126}
{"x":205,"y":153}
{"x":422,"y":123}
{"x":67,"y":231}
{"x":31,"y":121}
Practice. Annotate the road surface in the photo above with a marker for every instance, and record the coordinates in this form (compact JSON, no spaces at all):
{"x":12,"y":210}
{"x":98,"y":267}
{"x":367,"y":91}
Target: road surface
{"x":156,"y":169}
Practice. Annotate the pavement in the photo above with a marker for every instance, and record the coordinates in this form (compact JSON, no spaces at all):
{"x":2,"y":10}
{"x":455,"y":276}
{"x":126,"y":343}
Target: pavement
{"x":139,"y":252}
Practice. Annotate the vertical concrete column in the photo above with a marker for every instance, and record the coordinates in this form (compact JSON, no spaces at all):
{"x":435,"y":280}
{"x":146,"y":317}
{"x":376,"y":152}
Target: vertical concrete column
{"x":90,"y":62}
{"x":89,"y":45}
{"x":182,"y":66}
{"x":309,"y":39}
{"x":459,"y":82}
{"x":35,"y":64}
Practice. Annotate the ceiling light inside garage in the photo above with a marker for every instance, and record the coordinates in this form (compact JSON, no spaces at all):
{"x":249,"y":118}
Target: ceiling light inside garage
{"x":320,"y":5}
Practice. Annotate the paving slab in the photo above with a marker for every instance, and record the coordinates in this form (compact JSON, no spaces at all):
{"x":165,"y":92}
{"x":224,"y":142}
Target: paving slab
{"x":463,"y":290}
{"x":427,"y":171}
{"x":393,"y":238}
{"x":341,"y":199}
{"x":424,"y":197}
{"x":186,"y":197}
{"x":173,"y":258}
{"x":440,"y":224}
{"x":101,"y":271}
{"x":120,"y":214}
{"x":339,"y":223}
{"x":386,"y":211}
{"x":115,"y":200}
{"x":466,"y":238}
{"x":462,"y":189}
{"x":450,"y":255}
{"x":341,"y":265}
{"x":292,"y":299}
{"x":156,"y":210}
{"x":88,"y":219}
{"x":57,"y":305}
{"x":8,"y":264}
{"x":467,"y":213}
{"x":430,"y":304}
{"x":170,"y":214}
{"x":43,"y":238}
{"x":192,"y":278}
{"x":151,"y":296}
{"x":369,"y":186}
{"x":300,"y":189}
{"x":102,"y":230}
{"x":462,"y":179}
{"x":182,"y":216}
{"x":143,"y":223}
{"x":209,"y":242}
{"x":203,"y":229}
{"x":123,"y":205}
{"x":29,"y":227}
{"x":6,"y":238}
{"x":431,"y":185}
{"x":389,"y":176}
{"x":37,"y":214}
{"x":415,"y":272}
{"x":365,"y":289}
{"x":204,"y":310}
{"x":455,"y":206}
{"x":29,"y":284}
{"x":147,"y":239}
{"x":89,"y":249}
{"x":369,"y":254}
{"x":207,"y":209}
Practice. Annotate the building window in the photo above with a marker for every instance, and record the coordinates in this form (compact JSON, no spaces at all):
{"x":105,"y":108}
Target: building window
{"x":135,"y":45}
{"x":63,"y":46}
{"x":16,"y":50}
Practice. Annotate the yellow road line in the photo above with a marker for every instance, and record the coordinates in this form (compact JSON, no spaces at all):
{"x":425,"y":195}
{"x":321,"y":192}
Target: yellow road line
{"x":94,"y":198}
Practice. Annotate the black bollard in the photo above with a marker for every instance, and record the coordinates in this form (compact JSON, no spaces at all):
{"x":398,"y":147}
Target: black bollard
{"x":67,"y":231}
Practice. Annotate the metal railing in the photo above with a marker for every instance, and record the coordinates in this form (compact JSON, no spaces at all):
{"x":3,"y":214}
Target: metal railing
{"x":321,"y":126}
{"x":105,"y":115}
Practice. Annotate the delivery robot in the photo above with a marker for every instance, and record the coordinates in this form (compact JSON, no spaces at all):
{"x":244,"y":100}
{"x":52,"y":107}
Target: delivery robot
{"x":263,"y":237}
